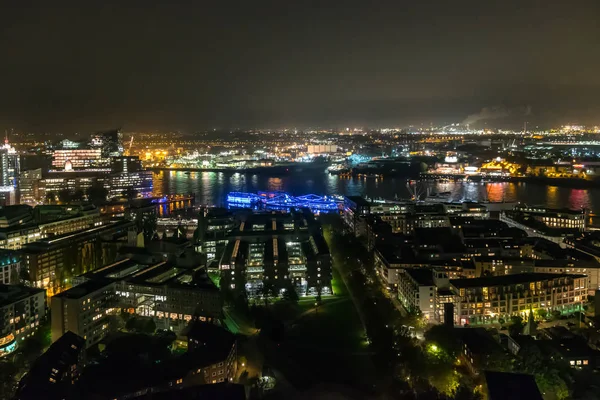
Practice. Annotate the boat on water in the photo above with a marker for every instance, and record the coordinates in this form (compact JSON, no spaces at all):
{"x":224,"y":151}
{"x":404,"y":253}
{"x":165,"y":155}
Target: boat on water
{"x":442,"y":197}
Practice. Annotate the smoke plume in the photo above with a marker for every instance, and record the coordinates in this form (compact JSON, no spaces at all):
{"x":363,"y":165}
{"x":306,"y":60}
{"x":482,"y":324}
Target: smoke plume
{"x":497,"y":112}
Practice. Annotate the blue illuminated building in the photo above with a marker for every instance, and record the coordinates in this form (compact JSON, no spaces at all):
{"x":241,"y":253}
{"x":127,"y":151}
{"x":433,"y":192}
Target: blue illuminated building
{"x":280,"y":201}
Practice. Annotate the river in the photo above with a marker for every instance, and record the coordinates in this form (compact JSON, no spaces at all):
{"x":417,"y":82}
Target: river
{"x":212,"y":188}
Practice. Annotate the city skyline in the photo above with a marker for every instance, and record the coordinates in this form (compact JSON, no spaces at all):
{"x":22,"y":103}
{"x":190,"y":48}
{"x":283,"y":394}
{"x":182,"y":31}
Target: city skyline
{"x":77,"y":68}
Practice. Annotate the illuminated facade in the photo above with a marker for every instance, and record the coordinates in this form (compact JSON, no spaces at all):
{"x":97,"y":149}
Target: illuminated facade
{"x":31,"y":190}
{"x":171,"y":295}
{"x":9,"y":173}
{"x":418,"y":290}
{"x":84,"y":310}
{"x":481,"y":300}
{"x":284,"y":202}
{"x":21,"y":310}
{"x":278,"y":249}
{"x":555,"y":218}
{"x":78,"y":158}
{"x":214,"y":225}
{"x":10,"y":265}
{"x":51,"y":263}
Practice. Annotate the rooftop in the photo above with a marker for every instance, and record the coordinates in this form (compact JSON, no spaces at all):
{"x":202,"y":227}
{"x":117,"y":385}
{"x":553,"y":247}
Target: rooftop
{"x":423,"y":276}
{"x":505,"y":385}
{"x":504,"y":280}
{"x":13,"y":293}
{"x":63,"y":240}
{"x":84,"y":289}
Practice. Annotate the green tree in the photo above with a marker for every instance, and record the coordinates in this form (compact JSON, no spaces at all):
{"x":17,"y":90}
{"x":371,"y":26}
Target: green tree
{"x":415,"y":319}
{"x":267,"y":291}
{"x":548,"y":372}
{"x":541,"y":313}
{"x":445,"y":338}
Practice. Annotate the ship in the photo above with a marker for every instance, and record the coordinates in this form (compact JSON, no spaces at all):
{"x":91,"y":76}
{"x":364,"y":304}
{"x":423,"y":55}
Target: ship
{"x":442,"y":197}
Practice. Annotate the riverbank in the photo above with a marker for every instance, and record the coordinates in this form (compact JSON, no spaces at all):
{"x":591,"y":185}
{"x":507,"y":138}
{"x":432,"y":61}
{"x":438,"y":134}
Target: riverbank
{"x":271,"y":170}
{"x":572,"y":183}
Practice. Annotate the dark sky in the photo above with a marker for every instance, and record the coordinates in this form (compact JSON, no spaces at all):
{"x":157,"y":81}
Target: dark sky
{"x":192,"y":65}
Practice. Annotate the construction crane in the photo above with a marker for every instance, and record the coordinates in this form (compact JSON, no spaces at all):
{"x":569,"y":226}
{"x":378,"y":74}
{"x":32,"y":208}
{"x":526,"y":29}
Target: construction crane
{"x":130,"y":144}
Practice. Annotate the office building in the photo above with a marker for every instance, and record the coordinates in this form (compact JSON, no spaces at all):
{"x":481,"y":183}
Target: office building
{"x":21,"y":310}
{"x":84,"y":310}
{"x":279,"y":249}
{"x":118,"y":175}
{"x":9,"y":173}
{"x":31,"y":188}
{"x":214,"y":226}
{"x":51,"y":263}
{"x":73,"y":159}
{"x":170,"y":293}
{"x":109,"y":143}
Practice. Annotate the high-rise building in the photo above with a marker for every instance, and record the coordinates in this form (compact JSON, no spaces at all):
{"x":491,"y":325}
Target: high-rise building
{"x":9,"y":172}
{"x":109,"y":142}
{"x":31,"y":188}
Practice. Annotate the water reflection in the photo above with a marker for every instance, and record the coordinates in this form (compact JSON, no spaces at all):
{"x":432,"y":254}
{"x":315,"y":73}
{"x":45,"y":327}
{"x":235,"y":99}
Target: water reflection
{"x":579,"y":198}
{"x":212,"y":187}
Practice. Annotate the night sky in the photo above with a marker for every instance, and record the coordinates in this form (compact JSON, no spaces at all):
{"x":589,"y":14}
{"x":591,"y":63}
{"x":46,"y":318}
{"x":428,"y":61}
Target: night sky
{"x":193,"y":65}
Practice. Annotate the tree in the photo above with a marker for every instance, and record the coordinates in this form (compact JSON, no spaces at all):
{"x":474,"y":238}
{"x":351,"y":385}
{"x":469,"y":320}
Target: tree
{"x":547,"y":371}
{"x":8,"y":379}
{"x":131,"y":324}
{"x":266,"y":291}
{"x":97,"y":193}
{"x":50,"y":197}
{"x":516,"y":327}
{"x":464,"y":392}
{"x":291,"y":295}
{"x":415,"y":319}
{"x":149,"y":326}
{"x":541,"y":313}
{"x":445,"y":338}
{"x":64,"y":196}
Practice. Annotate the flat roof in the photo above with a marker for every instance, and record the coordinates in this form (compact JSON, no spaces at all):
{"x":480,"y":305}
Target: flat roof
{"x":509,"y":279}
{"x":423,"y":276}
{"x":44,"y":244}
{"x":83,"y":289}
{"x":12,"y":293}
